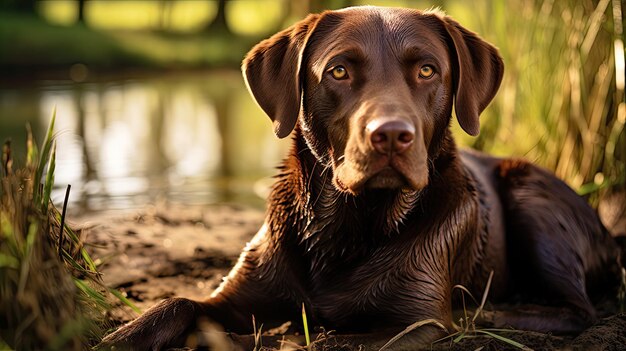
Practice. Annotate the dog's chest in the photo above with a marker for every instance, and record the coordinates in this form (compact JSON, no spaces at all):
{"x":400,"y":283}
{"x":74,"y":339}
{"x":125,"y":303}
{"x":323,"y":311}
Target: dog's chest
{"x":391,"y":283}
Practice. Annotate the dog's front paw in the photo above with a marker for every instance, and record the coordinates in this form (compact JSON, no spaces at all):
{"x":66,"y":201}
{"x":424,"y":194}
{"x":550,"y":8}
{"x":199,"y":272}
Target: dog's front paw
{"x":168,"y":324}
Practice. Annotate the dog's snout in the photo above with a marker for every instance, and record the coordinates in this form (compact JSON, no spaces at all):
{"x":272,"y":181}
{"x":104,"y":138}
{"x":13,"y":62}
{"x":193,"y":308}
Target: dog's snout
{"x":389,"y":137}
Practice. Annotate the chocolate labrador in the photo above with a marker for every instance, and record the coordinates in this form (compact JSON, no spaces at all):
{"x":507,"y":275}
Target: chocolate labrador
{"x":375,"y":215}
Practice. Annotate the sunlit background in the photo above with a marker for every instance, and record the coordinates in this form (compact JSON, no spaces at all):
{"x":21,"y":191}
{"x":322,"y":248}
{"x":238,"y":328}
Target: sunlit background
{"x":151,"y":105}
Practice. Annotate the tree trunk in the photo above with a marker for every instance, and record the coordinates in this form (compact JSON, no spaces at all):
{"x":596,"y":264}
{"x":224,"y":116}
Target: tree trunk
{"x":81,"y":11}
{"x":219,"y":23}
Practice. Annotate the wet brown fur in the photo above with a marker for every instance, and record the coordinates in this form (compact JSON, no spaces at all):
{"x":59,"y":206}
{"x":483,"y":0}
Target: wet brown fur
{"x":374,"y":252}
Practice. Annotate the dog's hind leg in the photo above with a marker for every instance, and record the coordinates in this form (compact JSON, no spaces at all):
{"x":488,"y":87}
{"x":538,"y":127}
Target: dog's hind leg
{"x":557,"y":246}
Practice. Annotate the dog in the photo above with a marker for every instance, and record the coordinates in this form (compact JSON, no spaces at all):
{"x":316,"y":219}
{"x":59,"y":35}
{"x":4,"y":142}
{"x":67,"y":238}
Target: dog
{"x":375,"y":215}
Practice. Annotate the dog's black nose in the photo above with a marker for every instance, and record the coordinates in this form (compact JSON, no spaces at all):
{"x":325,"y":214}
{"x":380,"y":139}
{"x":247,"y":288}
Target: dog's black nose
{"x":389,"y":137}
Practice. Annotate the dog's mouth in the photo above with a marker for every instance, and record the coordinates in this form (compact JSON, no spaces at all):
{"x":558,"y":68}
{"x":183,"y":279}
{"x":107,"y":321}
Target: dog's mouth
{"x":384,"y":173}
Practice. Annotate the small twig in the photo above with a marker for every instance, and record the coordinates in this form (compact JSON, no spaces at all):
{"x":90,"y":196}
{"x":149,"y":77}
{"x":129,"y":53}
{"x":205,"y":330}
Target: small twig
{"x":61,"y":232}
{"x":258,"y":334}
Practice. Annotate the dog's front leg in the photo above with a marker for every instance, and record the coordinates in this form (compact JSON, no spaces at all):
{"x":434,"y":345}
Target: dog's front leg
{"x":261,"y":284}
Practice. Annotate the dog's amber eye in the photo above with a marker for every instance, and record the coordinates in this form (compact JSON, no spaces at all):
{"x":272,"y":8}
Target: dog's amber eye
{"x":339,"y":72}
{"x":426,"y":71}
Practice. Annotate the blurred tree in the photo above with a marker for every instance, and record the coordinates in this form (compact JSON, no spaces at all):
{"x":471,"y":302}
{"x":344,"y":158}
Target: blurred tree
{"x":219,"y":24}
{"x":81,"y":11}
{"x":24,"y":6}
{"x":166,"y":14}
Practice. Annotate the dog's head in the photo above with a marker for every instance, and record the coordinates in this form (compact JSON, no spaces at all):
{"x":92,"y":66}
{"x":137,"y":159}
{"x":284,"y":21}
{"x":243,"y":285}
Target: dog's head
{"x":373,"y":88}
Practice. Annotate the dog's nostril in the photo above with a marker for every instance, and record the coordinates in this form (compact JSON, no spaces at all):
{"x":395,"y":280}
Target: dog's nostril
{"x":393,"y":136}
{"x":405,"y":137}
{"x":379,"y":138}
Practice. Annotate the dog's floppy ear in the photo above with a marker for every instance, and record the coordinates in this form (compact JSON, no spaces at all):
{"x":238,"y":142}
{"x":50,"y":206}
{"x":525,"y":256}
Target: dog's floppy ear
{"x":478,"y":75}
{"x":272,"y":73}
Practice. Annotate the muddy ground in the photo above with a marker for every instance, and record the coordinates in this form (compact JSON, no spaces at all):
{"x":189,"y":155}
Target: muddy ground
{"x":165,"y":251}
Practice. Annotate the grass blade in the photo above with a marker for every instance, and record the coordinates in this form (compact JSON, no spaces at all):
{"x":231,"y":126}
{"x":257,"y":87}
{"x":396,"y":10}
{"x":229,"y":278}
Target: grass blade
{"x":32,"y":153}
{"x":28,"y":249}
{"x":503,"y":339}
{"x":412,"y":327}
{"x":47,"y":187}
{"x":126,"y":301}
{"x":306,"y":326}
{"x":464,"y":289}
{"x":484,"y":299}
{"x":458,"y":338}
{"x":43,"y":160}
{"x":62,"y":226}
{"x":90,"y":263}
{"x":93,"y":295}
{"x":450,"y":336}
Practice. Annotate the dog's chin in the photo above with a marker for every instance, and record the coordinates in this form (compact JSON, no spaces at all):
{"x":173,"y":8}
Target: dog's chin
{"x":387,"y":178}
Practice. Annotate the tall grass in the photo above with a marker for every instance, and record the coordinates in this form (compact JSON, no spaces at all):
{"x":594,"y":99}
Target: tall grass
{"x":51,"y":296}
{"x":561,"y":103}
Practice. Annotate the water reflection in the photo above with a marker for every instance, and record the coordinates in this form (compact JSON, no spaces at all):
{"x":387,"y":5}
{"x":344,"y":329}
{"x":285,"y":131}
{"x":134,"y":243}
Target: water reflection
{"x":191,"y":138}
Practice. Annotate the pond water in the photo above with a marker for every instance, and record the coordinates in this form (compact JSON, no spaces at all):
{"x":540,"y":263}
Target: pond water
{"x":193,"y":137}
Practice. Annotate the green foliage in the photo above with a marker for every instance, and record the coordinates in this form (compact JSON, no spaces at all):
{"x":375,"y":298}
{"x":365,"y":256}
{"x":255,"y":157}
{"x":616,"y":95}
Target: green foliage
{"x":561,"y":103}
{"x":27,"y":42}
{"x":51,"y":296}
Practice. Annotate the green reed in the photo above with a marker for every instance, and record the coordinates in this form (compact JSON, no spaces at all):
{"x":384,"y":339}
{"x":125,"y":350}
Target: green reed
{"x":51,"y":294}
{"x":561,"y":103}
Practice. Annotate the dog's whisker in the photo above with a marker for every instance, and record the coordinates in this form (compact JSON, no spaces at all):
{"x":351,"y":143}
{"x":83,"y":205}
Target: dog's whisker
{"x":323,"y":186}
{"x":311,"y":175}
